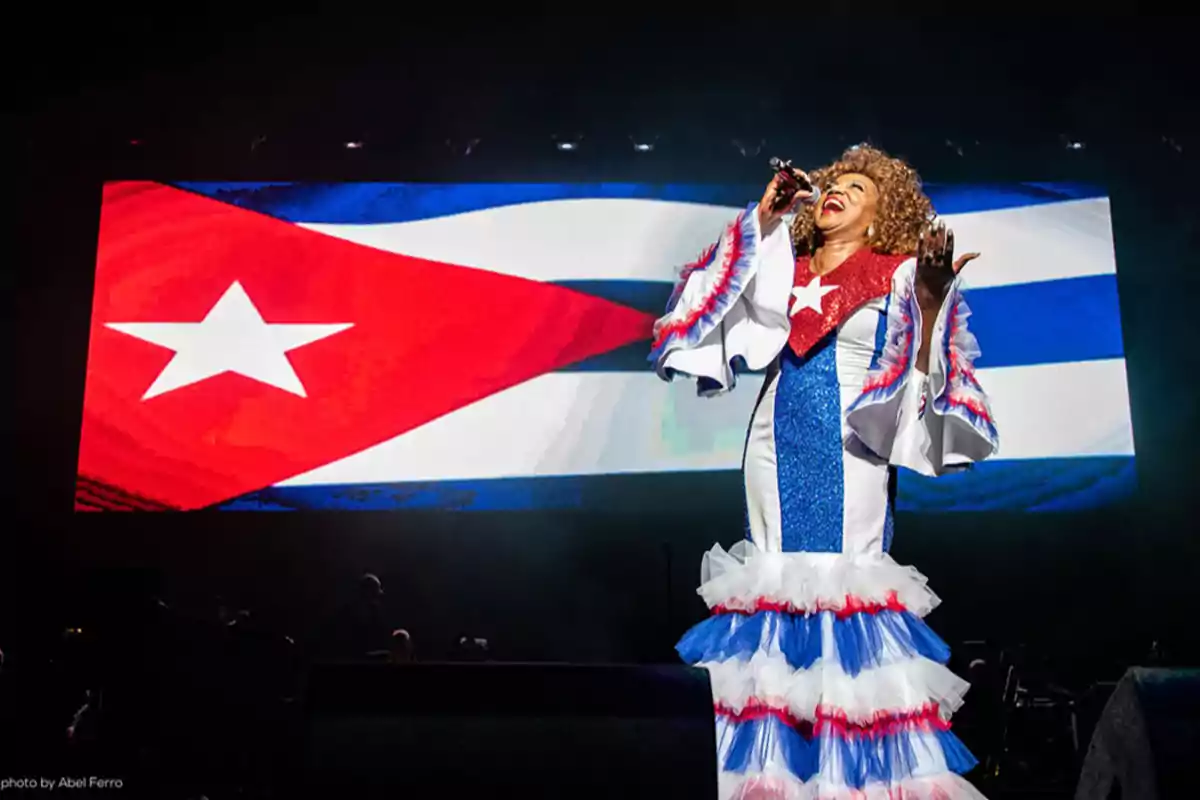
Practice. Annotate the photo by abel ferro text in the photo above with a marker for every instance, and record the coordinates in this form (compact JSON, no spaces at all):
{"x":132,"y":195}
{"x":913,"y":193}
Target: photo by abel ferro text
{"x":20,"y":785}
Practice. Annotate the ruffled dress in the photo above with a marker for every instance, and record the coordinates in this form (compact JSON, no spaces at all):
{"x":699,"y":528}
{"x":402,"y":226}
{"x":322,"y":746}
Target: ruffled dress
{"x":827,"y":682}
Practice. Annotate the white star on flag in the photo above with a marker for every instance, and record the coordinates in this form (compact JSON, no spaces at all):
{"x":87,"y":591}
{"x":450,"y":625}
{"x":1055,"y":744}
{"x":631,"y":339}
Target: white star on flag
{"x":232,"y":337}
{"x":810,"y":296}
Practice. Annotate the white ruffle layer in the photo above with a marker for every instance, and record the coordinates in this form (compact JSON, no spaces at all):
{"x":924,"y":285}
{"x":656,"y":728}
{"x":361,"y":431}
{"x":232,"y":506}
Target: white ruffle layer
{"x":744,"y":575}
{"x":733,"y":786}
{"x":895,"y":688}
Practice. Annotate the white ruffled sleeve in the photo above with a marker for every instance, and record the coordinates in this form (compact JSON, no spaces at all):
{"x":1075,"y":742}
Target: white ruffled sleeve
{"x":933,"y":423}
{"x":730,"y":303}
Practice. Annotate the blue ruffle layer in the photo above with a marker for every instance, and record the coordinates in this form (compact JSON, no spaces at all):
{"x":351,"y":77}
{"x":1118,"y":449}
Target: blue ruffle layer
{"x":754,"y":745}
{"x":858,"y":638}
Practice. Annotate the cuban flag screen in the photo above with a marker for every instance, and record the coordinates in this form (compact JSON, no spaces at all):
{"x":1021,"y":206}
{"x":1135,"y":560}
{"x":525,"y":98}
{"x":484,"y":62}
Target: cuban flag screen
{"x":368,"y":346}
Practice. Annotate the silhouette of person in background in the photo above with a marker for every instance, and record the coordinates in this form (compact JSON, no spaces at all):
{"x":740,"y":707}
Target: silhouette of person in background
{"x":402,"y":647}
{"x":471,"y":649}
{"x":360,"y":630}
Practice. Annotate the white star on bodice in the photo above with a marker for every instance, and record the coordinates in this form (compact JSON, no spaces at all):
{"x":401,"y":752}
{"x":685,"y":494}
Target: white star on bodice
{"x":810,"y":296}
{"x":232,"y":337}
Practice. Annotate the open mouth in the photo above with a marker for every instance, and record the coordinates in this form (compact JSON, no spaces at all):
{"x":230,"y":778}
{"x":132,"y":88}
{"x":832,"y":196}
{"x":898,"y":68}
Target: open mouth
{"x":831,"y":205}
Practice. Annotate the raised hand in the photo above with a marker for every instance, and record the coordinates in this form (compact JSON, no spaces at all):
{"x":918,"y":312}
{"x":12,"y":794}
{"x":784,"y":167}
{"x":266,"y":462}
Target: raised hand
{"x":936,"y":265}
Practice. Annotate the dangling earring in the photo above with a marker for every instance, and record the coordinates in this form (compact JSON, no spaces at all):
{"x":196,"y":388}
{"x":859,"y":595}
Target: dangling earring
{"x":870,"y":232}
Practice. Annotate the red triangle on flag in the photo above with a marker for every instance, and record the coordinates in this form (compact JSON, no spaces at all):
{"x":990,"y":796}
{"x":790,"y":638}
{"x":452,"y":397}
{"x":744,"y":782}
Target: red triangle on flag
{"x":425,"y":339}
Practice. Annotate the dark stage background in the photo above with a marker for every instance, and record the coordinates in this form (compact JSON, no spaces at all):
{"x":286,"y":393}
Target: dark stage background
{"x":255,"y":98}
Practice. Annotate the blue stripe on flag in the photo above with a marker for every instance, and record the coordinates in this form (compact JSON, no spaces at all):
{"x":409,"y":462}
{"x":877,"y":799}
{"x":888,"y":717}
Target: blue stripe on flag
{"x":376,"y":203}
{"x":648,"y":296}
{"x":1043,"y":484}
{"x":1047,"y":322}
{"x":1052,"y":484}
{"x":966,"y":198}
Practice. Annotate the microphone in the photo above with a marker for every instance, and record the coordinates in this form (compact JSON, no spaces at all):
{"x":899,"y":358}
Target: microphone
{"x":793,"y":181}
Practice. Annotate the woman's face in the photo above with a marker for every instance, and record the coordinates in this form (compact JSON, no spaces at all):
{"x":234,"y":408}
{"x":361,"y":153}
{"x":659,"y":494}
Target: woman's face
{"x":847,"y":206}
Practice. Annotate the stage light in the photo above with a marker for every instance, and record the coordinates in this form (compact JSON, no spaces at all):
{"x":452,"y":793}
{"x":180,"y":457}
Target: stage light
{"x":568,"y":143}
{"x":1170,"y":142}
{"x":642,"y":144}
{"x":1072,"y":144}
{"x":955,"y":146}
{"x":354,"y":145}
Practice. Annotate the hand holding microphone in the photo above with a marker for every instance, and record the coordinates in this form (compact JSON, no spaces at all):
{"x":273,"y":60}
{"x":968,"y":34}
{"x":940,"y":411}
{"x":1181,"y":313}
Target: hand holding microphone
{"x":788,"y":188}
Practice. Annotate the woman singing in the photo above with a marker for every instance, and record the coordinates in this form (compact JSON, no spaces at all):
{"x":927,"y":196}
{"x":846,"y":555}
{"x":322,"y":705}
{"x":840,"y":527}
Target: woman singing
{"x":827,"y":682}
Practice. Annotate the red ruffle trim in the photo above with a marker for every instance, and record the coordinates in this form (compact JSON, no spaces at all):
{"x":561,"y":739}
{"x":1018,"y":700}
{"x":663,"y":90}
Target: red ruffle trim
{"x":698,"y":264}
{"x":833,"y":721}
{"x":886,"y":377}
{"x":736,"y":246}
{"x":849,"y":606}
{"x":959,"y":372}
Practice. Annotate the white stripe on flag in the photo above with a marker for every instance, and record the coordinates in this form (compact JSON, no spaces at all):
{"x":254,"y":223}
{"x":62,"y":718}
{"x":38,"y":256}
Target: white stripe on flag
{"x":590,"y":423}
{"x":608,"y":239}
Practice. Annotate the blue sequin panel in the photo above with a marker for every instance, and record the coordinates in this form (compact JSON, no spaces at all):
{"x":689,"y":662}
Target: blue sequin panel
{"x":808,"y":449}
{"x":889,"y":520}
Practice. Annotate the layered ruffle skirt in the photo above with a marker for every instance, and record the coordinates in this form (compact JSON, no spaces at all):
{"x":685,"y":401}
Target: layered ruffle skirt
{"x":827,"y":683}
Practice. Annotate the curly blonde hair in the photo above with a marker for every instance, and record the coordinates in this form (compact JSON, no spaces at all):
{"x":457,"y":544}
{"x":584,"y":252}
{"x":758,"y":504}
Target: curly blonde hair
{"x":903,"y":207}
